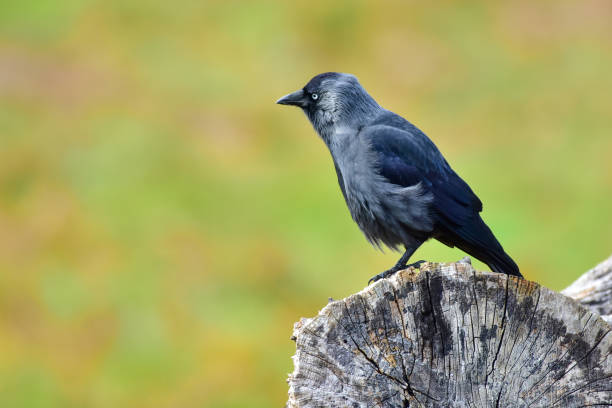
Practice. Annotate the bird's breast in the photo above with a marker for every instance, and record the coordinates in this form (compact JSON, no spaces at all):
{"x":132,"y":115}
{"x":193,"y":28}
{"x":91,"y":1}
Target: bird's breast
{"x":384,"y":211}
{"x":356,"y":164}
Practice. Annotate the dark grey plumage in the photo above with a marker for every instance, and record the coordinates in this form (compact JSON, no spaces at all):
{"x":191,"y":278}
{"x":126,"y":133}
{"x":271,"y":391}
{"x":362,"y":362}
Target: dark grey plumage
{"x":398,"y":187}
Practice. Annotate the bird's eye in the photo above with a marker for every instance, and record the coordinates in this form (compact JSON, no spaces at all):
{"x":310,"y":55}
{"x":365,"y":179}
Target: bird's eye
{"x":314,"y":96}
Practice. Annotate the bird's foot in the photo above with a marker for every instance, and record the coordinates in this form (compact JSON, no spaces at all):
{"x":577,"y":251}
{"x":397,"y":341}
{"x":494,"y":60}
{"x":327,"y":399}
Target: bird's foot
{"x":384,"y":274}
{"x":391,"y":271}
{"x":415,"y":265}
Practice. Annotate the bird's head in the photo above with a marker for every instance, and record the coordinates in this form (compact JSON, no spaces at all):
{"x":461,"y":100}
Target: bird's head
{"x":331,"y":100}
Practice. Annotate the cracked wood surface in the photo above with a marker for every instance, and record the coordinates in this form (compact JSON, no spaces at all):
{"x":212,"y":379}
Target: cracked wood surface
{"x":450,"y":336}
{"x":594,"y":289}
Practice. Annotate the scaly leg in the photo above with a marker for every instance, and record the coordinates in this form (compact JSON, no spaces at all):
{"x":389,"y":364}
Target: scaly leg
{"x":401,"y":264}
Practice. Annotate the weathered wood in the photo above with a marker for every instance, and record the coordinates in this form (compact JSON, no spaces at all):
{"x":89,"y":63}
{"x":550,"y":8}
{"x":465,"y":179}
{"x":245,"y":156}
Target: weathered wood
{"x":594,"y":289}
{"x":450,"y":336}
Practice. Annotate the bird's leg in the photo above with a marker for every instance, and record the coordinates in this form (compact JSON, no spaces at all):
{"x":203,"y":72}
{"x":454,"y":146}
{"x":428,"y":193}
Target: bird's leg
{"x":401,"y":264}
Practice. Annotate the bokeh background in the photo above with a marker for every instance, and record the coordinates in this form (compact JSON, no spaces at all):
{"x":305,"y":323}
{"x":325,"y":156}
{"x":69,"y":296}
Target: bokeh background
{"x":163,"y":223}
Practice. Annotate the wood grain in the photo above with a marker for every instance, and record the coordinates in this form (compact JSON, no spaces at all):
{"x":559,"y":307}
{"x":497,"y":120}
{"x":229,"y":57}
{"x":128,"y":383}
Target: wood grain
{"x":594,"y":289}
{"x":447,"y":335}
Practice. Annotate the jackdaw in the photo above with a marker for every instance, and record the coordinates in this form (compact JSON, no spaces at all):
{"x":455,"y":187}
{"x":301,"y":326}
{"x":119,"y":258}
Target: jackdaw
{"x":398,"y":187}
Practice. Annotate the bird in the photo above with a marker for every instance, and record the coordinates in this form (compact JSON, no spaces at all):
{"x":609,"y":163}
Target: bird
{"x":398,"y":187}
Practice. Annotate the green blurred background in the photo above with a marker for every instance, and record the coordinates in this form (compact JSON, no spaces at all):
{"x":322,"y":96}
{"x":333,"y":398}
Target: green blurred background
{"x":163,"y":223}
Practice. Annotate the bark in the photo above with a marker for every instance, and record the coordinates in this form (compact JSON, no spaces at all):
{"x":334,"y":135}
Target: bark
{"x":447,"y":335}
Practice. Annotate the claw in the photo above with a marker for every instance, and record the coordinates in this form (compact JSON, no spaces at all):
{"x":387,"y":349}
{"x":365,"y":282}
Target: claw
{"x":415,"y":265}
{"x":393,"y":270}
{"x":382,"y":275}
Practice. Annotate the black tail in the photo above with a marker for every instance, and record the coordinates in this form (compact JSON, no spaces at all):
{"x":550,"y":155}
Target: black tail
{"x":476,"y":239}
{"x":500,"y":262}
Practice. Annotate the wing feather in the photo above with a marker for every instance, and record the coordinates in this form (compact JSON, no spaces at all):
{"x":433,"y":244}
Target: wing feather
{"x":406,"y":157}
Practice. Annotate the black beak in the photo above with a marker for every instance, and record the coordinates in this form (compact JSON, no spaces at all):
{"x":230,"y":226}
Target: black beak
{"x":296,"y":98}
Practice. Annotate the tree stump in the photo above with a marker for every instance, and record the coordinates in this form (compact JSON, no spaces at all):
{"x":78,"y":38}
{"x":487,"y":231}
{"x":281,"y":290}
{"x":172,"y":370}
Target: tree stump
{"x":449,"y":336}
{"x":594,"y":289}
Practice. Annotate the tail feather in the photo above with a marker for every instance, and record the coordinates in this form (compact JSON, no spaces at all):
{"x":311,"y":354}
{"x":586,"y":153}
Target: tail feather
{"x":476,"y":239}
{"x":497,"y":260}
{"x":502,"y":263}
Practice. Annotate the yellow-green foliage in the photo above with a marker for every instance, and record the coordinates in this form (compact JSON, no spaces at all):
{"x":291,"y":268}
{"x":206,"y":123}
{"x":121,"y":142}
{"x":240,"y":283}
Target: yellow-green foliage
{"x":163,"y":223}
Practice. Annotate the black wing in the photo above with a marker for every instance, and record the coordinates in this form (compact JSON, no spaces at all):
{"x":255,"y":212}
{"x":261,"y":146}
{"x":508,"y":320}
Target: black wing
{"x":406,"y":156}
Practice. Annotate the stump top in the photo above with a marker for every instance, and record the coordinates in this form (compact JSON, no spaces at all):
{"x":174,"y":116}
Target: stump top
{"x":450,"y":336}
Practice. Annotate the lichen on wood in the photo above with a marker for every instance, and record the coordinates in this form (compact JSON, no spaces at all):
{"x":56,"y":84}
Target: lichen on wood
{"x":447,"y":335}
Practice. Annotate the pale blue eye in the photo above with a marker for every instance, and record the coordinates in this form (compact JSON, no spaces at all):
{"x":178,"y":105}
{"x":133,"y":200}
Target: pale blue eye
{"x":314,"y":96}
